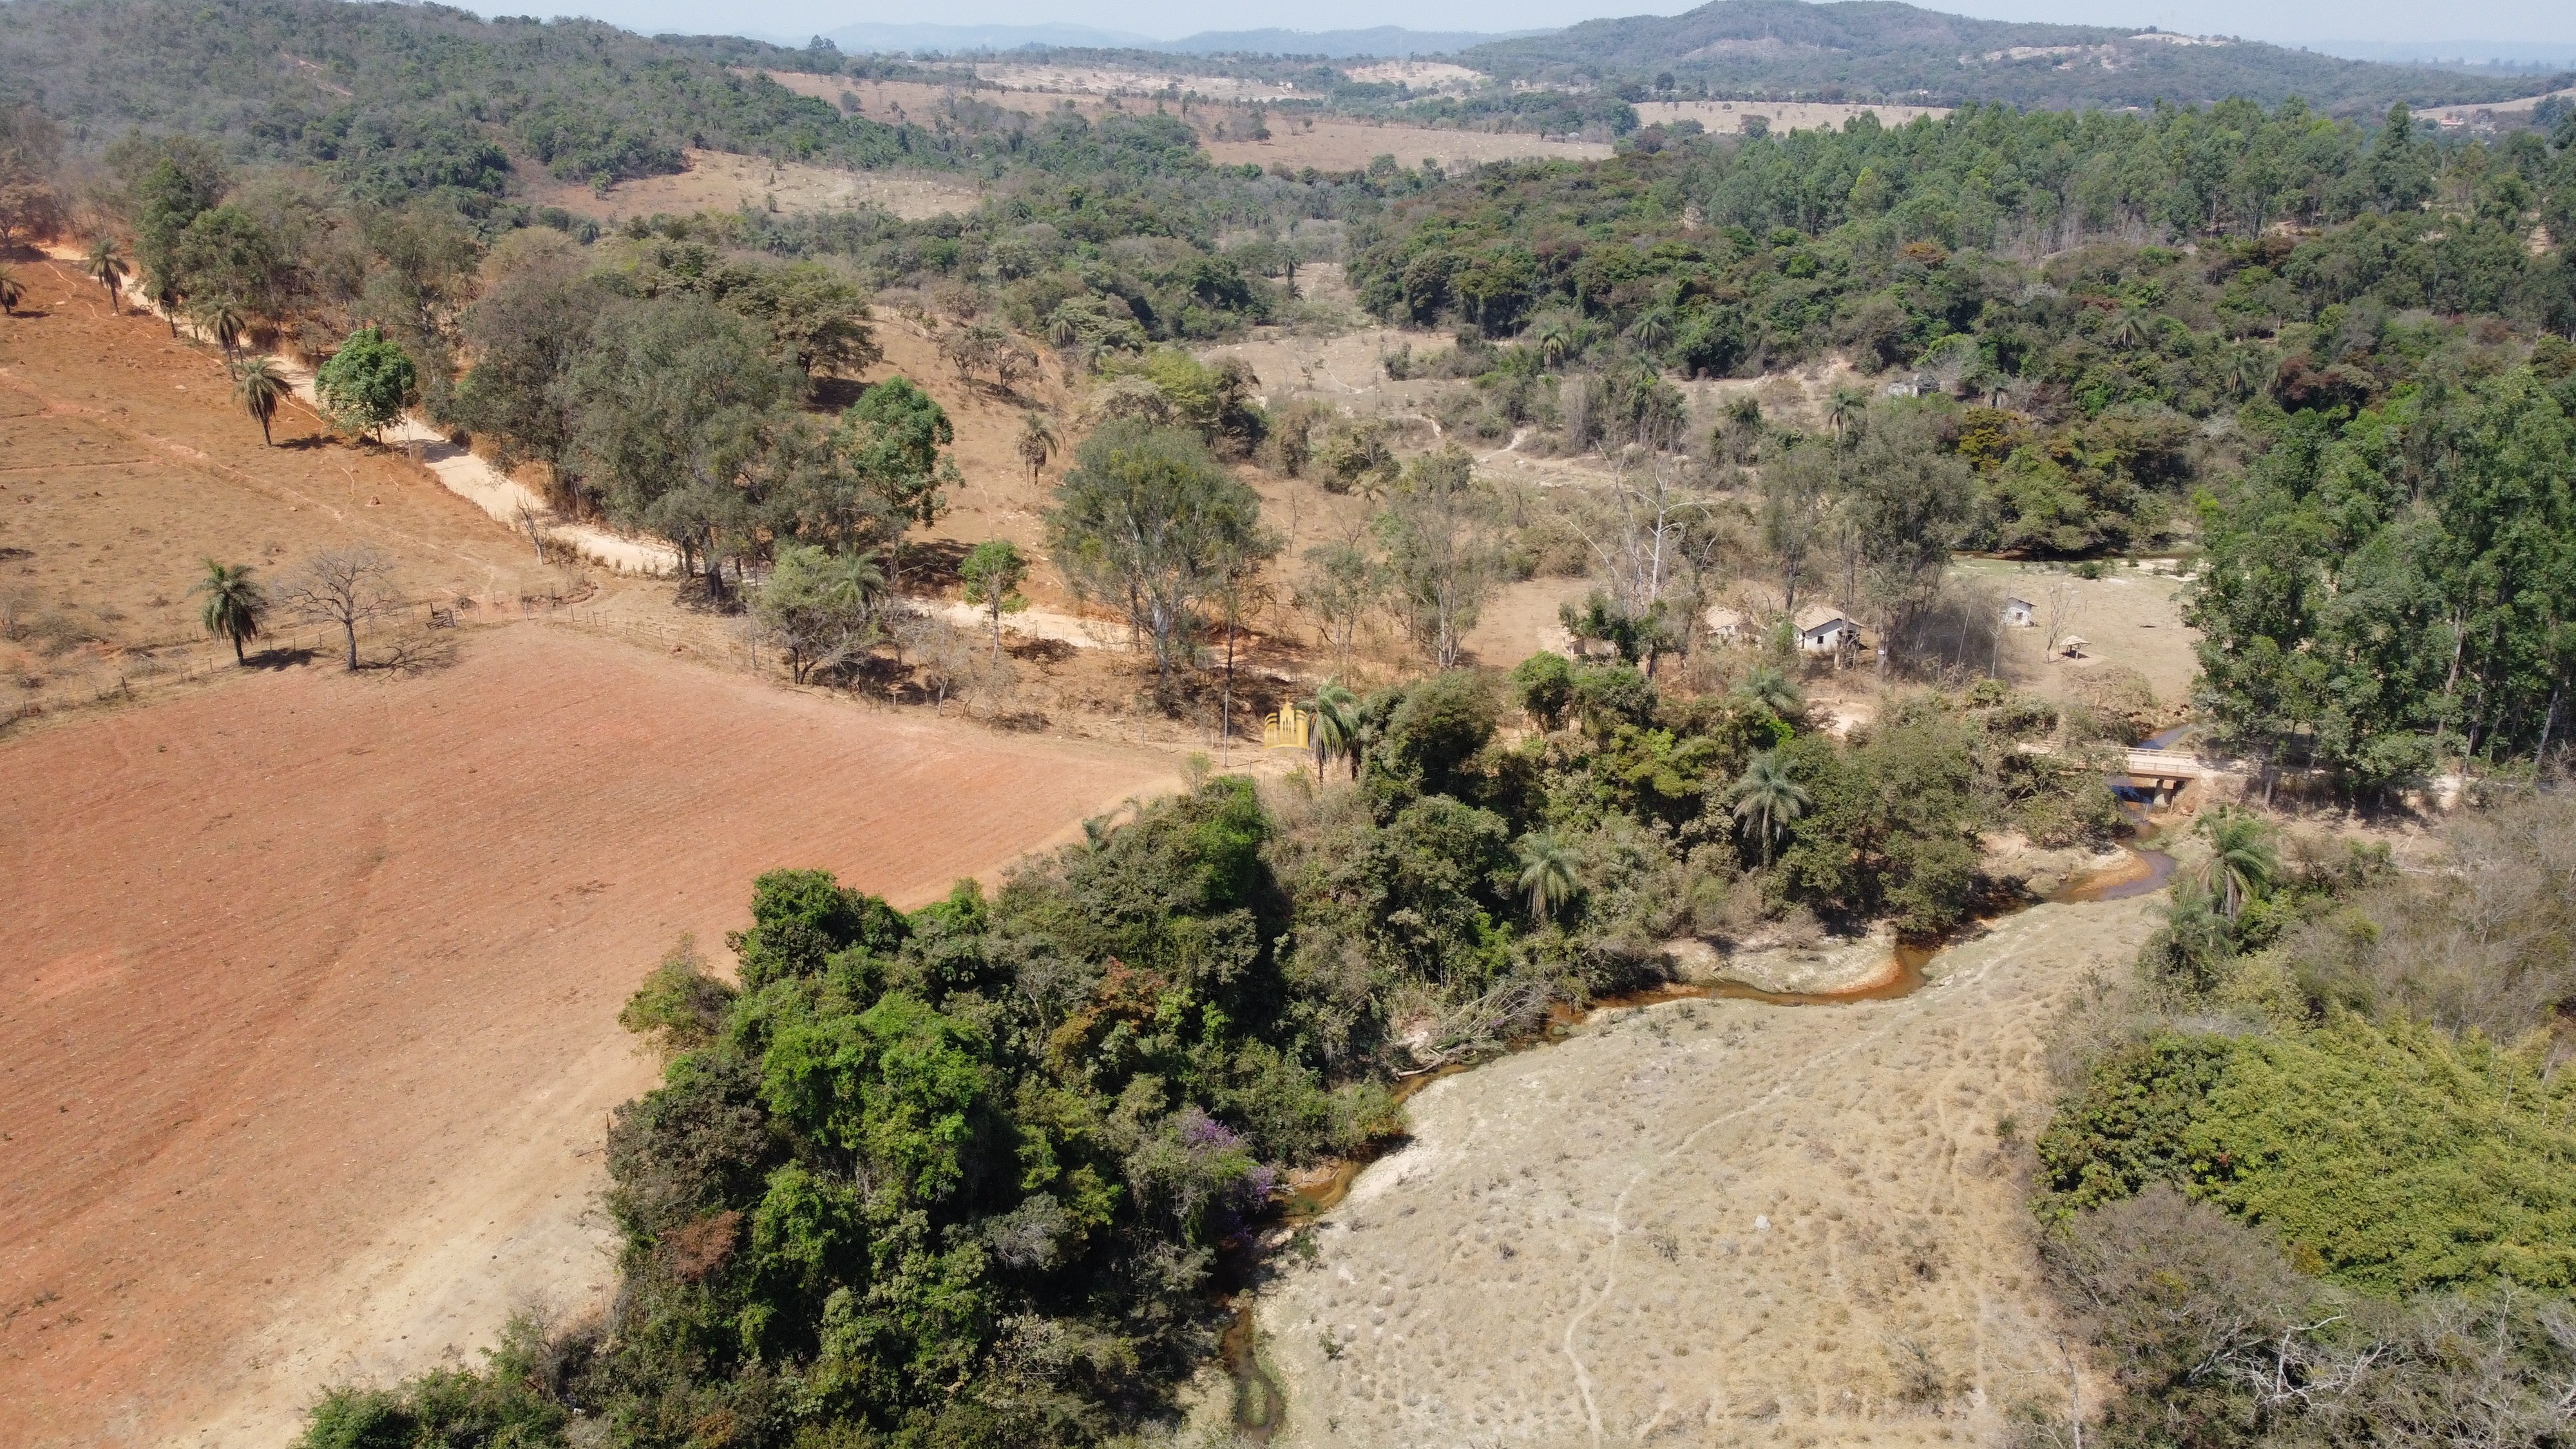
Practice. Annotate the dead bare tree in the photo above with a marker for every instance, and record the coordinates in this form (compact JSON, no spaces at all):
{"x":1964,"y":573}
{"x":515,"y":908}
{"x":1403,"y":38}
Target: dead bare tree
{"x":346,"y":587}
{"x":2057,"y":607}
{"x":527,"y":519}
{"x":1655,"y":539}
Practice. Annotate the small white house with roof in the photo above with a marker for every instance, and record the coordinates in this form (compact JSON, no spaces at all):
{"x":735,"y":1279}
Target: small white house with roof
{"x":2018,"y":612}
{"x":1824,"y":629}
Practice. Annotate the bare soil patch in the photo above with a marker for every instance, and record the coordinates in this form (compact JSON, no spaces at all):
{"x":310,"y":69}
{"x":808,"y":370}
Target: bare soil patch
{"x":1709,"y":1222}
{"x":124,"y":463}
{"x":308,"y":1014}
{"x":723,"y":181}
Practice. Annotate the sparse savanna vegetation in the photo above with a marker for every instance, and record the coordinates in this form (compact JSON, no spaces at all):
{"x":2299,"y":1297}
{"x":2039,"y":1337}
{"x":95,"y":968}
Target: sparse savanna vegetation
{"x":989,"y":1171}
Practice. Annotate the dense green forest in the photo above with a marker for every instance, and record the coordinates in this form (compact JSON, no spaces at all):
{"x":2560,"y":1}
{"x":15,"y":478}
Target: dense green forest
{"x":1875,"y":50}
{"x":963,"y":1176}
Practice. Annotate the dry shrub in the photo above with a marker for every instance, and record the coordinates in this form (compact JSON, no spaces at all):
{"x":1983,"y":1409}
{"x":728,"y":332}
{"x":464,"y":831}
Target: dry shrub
{"x":48,"y":632}
{"x":2215,"y":1339}
{"x":694,"y":1250}
{"x":2114,"y":703}
{"x":1549,"y":548}
{"x":2481,"y":945}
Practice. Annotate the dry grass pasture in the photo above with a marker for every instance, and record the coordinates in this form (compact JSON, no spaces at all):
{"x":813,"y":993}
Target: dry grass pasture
{"x":1109,"y":80}
{"x":723,"y":181}
{"x":1727,"y":117}
{"x":1708,"y":1223}
{"x":1331,"y":144}
{"x":309,"y":1013}
{"x":2130,"y":618}
{"x":1325,"y":143}
{"x":124,"y":463}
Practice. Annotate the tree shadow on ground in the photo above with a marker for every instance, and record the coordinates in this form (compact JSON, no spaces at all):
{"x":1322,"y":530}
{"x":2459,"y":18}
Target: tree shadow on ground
{"x":283,"y":658}
{"x":933,"y":562}
{"x":413,"y":656}
{"x":1037,"y":651}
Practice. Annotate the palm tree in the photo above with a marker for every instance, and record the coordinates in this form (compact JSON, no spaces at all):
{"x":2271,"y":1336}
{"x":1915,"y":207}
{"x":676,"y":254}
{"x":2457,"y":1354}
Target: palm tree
{"x":165,"y":295}
{"x":1845,"y":411}
{"x":1333,"y":727}
{"x":2239,"y":373}
{"x":10,"y":292}
{"x":1038,"y":442}
{"x":261,"y":389}
{"x":1653,"y":330}
{"x":221,"y":319}
{"x":1772,"y":690}
{"x":1767,"y":791}
{"x":105,"y":265}
{"x":1553,"y":341}
{"x":1547,"y":873}
{"x":2128,"y":330}
{"x":233,"y":605}
{"x":2242,"y":861}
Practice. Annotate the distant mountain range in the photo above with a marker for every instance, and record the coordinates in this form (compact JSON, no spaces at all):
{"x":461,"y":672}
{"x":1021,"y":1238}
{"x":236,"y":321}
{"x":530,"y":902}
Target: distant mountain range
{"x":1881,"y":50}
{"x":2512,"y":54}
{"x":1383,"y":40}
{"x":1857,"y":50}
{"x":882,"y":39}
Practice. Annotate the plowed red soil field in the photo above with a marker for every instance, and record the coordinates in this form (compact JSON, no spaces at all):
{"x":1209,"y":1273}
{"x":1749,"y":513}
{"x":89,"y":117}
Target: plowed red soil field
{"x":307,"y":1004}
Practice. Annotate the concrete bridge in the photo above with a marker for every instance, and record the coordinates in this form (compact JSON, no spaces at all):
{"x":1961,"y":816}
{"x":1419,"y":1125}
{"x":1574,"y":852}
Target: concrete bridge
{"x":2165,"y":772}
{"x":2161,"y":773}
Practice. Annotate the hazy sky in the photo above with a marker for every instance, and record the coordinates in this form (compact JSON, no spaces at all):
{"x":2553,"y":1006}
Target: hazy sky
{"x":2287,"y":21}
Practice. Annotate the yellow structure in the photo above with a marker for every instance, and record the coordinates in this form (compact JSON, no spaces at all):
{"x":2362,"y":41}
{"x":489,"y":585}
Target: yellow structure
{"x":1290,"y":729}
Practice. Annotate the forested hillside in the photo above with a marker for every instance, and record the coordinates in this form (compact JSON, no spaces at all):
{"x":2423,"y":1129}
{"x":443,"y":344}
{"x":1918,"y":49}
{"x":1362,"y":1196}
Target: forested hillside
{"x":1879,"y":50}
{"x":399,"y":99}
{"x":2299,"y":339}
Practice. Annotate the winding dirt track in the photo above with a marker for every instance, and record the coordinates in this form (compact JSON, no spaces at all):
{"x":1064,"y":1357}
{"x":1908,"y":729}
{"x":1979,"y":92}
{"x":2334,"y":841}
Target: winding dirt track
{"x":1711,"y":1222}
{"x":307,"y":1015}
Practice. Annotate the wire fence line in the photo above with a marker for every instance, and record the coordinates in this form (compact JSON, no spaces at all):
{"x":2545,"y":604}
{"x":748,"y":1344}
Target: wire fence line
{"x":113,"y":673}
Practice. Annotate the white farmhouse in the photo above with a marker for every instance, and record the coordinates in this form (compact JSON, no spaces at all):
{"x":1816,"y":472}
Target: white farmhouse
{"x":1824,"y":629}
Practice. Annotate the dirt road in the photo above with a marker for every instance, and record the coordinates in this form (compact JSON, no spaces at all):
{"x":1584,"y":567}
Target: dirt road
{"x":1708,"y":1223}
{"x":307,"y":1015}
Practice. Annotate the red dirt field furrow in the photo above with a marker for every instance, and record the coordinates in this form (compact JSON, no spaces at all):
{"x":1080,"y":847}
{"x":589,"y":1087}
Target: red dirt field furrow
{"x":307,"y":1012}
